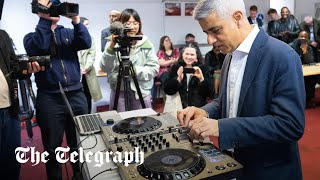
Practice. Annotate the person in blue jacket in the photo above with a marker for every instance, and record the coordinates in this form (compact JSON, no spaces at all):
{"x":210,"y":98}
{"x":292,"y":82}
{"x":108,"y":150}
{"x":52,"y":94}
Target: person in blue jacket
{"x":52,"y":115}
{"x":258,"y":116}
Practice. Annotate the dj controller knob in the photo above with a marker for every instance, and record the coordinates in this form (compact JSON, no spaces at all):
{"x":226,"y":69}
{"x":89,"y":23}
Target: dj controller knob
{"x":115,"y":139}
{"x":149,"y":143}
{"x":173,"y":136}
{"x":145,"y":149}
{"x":180,"y":131}
{"x":160,"y":138}
{"x":170,"y":129}
{"x":164,"y":140}
{"x":133,"y":143}
{"x":177,"y":138}
{"x":150,"y":136}
{"x":160,"y":146}
{"x":158,"y":134}
{"x":157,"y":142}
{"x":146,"y":140}
{"x":168,"y":144}
{"x":153,"y":139}
{"x":152,"y":147}
{"x":142,"y":145}
{"x":144,"y":137}
{"x":128,"y":137}
{"x":139,"y":141}
{"x":119,"y":148}
{"x":110,"y":121}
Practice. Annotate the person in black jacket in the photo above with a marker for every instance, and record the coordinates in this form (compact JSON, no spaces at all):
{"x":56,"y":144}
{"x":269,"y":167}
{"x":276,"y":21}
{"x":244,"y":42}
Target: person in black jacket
{"x":302,"y":45}
{"x":192,"y":87}
{"x":213,"y":62}
{"x":286,"y":28}
{"x":9,"y":106}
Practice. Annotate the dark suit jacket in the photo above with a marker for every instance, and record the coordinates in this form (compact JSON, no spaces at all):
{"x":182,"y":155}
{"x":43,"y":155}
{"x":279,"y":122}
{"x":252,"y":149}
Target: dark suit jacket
{"x":316,"y":29}
{"x":270,"y":118}
{"x":104,"y":34}
{"x":259,"y":21}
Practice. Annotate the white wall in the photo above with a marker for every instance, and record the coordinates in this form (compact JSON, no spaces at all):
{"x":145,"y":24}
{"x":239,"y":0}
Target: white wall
{"x":305,"y":7}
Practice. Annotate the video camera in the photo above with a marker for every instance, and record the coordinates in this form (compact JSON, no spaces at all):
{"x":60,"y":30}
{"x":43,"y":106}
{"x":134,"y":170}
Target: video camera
{"x":25,"y":59}
{"x":57,"y":8}
{"x":123,"y":39}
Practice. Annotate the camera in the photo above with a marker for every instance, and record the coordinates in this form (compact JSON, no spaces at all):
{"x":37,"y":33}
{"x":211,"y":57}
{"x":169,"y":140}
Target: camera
{"x":189,"y":70}
{"x":57,"y":8}
{"x":125,"y":41}
{"x":25,"y":59}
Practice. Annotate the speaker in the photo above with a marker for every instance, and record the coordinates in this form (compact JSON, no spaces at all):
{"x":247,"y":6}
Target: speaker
{"x":1,"y":7}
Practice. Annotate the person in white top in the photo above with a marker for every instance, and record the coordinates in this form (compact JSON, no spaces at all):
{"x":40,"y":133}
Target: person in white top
{"x":259,"y":112}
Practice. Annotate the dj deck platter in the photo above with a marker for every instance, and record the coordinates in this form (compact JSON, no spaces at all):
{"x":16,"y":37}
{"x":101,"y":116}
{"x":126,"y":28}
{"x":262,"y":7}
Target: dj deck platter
{"x":136,"y":125}
{"x":166,"y":164}
{"x":169,"y":153}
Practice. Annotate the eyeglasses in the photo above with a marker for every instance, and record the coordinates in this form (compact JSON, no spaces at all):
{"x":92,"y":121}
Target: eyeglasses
{"x":128,"y":24}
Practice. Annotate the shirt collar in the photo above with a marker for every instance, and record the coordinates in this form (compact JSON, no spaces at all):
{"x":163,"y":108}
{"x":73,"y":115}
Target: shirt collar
{"x":245,"y":46}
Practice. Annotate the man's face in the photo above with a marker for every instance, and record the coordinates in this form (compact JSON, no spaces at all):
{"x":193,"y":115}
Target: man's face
{"x":113,"y":16}
{"x":224,"y":34}
{"x":273,"y":16}
{"x":284,"y":13}
{"x":253,"y":14}
{"x":190,"y":40}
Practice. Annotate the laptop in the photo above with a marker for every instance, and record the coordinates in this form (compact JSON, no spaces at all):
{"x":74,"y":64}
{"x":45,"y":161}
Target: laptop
{"x":85,"y":124}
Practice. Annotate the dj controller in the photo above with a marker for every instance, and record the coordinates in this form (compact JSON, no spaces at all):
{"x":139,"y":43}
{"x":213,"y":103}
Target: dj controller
{"x":169,"y":153}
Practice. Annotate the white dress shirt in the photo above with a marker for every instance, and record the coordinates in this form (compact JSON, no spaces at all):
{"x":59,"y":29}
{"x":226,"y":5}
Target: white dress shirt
{"x":236,"y":72}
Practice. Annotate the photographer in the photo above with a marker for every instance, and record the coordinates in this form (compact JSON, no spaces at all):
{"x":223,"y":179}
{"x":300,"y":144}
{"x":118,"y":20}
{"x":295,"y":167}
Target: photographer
{"x":192,"y":86}
{"x":53,"y":119}
{"x":9,"y":106}
{"x":143,"y":59}
{"x":302,"y":45}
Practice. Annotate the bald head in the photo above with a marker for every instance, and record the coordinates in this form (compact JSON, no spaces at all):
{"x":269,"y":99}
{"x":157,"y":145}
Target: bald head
{"x":114,"y":15}
{"x":308,"y":20}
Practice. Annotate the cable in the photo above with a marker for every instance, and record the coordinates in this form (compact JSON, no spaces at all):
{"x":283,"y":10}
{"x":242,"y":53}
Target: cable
{"x":94,"y":144}
{"x":110,"y":169}
{"x":83,"y":140}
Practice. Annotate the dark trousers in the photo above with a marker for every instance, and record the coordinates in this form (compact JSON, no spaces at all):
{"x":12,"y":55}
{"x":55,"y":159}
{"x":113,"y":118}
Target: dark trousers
{"x":54,"y":120}
{"x":309,"y":83}
{"x":87,"y":93}
{"x":10,"y":139}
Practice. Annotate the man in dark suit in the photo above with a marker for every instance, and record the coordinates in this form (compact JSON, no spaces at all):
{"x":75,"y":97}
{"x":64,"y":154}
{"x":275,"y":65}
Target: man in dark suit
{"x":311,"y":26}
{"x":113,"y":16}
{"x":253,"y":19}
{"x":259,"y":114}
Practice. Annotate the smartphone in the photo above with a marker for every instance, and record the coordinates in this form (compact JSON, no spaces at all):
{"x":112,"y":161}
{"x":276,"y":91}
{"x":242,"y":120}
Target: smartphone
{"x":189,"y":70}
{"x":303,"y":41}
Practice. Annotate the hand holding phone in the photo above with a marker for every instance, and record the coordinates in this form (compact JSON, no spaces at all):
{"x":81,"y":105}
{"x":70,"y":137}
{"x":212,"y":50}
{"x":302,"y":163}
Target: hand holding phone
{"x":188,"y":70}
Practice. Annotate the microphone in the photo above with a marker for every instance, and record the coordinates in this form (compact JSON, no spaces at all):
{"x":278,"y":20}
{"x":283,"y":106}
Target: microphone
{"x":117,"y":28}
